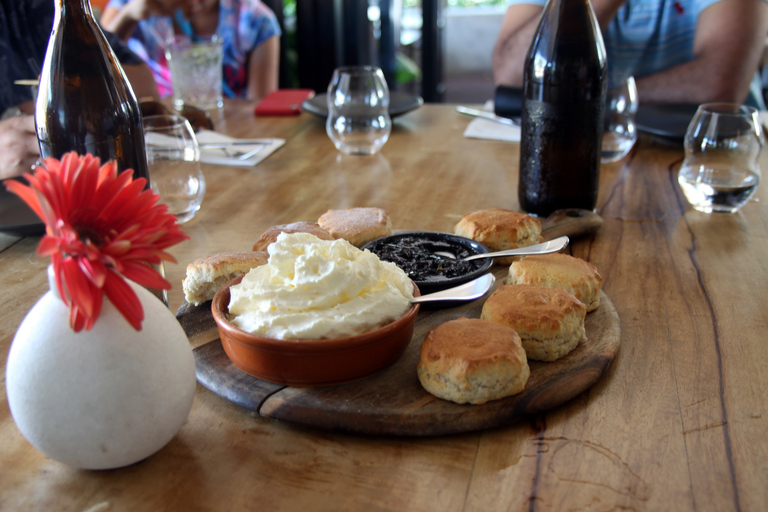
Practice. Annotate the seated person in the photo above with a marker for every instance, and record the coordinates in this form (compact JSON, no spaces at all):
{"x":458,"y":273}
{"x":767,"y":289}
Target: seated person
{"x":248,"y":28}
{"x":25,"y":28}
{"x":684,"y":51}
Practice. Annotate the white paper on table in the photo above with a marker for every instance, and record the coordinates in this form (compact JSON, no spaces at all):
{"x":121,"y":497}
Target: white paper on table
{"x":481,"y":128}
{"x":219,"y":157}
{"x":764,"y":119}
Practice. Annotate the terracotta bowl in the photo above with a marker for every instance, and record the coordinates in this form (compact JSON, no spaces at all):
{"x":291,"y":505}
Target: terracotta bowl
{"x":312,"y":362}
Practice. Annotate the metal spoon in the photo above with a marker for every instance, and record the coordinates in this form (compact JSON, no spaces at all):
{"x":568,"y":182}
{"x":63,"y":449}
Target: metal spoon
{"x":467,"y":291}
{"x":543,"y":248}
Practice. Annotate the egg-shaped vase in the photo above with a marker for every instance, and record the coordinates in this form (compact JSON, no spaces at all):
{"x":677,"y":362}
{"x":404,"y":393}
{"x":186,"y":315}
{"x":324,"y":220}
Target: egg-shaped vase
{"x":103,"y":398}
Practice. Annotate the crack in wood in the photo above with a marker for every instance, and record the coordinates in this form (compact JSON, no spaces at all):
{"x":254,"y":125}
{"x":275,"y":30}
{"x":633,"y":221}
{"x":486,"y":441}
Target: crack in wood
{"x":705,"y":427}
{"x":716,"y":341}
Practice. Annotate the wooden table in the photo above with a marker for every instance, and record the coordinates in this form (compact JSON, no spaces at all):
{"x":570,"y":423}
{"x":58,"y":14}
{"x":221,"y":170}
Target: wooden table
{"x":679,"y":422}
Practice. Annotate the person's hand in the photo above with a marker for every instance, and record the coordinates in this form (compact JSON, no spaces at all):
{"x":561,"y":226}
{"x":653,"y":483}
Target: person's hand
{"x":19,"y":149}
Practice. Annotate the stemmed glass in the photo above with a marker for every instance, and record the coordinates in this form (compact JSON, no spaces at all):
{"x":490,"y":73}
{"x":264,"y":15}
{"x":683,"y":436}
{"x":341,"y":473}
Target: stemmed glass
{"x":358,"y":120}
{"x":173,"y":157}
{"x":721,"y":171}
{"x":620,"y":133}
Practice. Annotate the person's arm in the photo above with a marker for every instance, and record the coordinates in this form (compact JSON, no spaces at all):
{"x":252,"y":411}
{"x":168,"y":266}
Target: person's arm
{"x":517,"y":30}
{"x":263,"y":69}
{"x":19,"y":149}
{"x":728,"y":45}
{"x":141,"y":80}
{"x":124,"y":20}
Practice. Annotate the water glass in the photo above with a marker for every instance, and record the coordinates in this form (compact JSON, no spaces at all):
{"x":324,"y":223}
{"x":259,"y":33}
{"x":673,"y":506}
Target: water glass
{"x":358,"y":120}
{"x":196,"y":71}
{"x":173,"y":157}
{"x":620,"y":133}
{"x":721,"y":171}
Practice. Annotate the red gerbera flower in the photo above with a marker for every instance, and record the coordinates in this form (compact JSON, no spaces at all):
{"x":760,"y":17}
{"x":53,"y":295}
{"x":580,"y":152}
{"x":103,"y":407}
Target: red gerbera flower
{"x":101,"y":227}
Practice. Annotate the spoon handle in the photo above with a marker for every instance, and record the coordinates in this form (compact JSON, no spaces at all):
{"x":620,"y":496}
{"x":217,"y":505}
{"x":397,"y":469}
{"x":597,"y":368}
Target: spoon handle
{"x":544,"y":248}
{"x":467,"y":291}
{"x":572,"y":222}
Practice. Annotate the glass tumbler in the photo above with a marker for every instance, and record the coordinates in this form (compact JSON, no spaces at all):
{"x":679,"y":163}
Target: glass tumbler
{"x":173,"y":158}
{"x":620,"y":133}
{"x":358,"y":120}
{"x":721,"y":170}
{"x":196,"y":71}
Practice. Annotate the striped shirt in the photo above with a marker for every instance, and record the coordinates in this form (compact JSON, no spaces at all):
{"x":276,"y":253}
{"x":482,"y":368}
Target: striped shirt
{"x":648,"y":36}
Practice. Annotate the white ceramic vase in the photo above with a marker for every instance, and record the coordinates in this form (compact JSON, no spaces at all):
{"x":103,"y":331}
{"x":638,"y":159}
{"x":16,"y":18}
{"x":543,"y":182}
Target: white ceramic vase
{"x":103,"y":398}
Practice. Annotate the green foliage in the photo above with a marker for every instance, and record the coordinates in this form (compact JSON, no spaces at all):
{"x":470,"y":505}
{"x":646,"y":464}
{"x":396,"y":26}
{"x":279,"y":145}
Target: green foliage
{"x":406,"y":70}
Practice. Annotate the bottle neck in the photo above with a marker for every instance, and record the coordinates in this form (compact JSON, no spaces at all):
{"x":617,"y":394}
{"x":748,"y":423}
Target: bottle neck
{"x":78,"y":8}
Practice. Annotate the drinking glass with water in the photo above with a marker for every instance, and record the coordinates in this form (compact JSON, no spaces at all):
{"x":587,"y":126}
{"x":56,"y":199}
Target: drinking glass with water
{"x":173,"y":157}
{"x":196,"y":71}
{"x":358,"y":110}
{"x":721,"y":171}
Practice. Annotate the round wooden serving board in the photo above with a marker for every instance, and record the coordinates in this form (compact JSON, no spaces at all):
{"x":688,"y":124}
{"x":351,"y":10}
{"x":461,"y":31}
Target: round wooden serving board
{"x":393,"y":402}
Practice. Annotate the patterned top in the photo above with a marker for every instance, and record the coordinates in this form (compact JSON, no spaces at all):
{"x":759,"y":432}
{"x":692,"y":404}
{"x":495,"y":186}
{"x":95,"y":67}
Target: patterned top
{"x":648,"y":36}
{"x":25,"y":27}
{"x":243,"y":25}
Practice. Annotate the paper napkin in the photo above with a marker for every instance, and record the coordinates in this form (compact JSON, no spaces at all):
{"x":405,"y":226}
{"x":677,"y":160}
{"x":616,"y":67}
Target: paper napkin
{"x":485,"y":129}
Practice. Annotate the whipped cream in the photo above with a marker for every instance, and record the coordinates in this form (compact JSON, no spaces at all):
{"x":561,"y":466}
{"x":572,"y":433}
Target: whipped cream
{"x":318,"y":289}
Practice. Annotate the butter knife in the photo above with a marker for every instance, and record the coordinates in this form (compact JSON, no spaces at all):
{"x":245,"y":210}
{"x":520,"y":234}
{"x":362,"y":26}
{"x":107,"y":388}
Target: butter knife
{"x":487,"y":115}
{"x":228,"y":144}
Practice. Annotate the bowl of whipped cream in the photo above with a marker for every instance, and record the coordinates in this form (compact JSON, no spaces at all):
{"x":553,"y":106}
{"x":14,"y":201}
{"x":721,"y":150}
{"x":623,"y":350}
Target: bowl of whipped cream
{"x":317,"y":313}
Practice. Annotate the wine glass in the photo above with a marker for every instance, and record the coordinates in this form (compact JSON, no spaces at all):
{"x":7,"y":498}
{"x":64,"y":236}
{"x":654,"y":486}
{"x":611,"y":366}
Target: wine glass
{"x":358,"y":120}
{"x":173,"y":157}
{"x":620,"y":133}
{"x":721,"y":172}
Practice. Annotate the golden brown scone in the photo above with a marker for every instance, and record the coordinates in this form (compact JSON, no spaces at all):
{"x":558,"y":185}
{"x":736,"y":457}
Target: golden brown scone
{"x":357,"y":226}
{"x":558,"y":270}
{"x":500,"y":230}
{"x":205,"y":276}
{"x":270,"y":235}
{"x":550,"y":321}
{"x":472,"y":361}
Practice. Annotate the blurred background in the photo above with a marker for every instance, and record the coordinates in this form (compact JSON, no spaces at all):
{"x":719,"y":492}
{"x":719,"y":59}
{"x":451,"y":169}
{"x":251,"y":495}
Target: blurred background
{"x":440,"y":49}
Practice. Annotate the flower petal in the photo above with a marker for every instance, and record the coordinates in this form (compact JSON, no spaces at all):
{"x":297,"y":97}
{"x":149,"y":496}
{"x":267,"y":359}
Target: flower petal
{"x":99,"y":224}
{"x":124,"y":299}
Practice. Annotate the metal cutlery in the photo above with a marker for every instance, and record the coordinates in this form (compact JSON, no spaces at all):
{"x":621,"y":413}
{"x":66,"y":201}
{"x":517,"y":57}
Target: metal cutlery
{"x":238,"y":155}
{"x":555,"y":245}
{"x":487,"y":115}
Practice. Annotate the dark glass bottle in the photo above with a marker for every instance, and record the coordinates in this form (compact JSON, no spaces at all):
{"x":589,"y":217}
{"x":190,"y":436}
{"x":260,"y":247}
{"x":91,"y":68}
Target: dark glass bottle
{"x":562,"y":115}
{"x":85,"y":103}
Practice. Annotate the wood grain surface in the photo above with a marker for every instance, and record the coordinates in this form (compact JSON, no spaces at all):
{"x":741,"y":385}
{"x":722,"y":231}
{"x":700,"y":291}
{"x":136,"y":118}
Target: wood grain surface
{"x":393,"y":402}
{"x":677,"y":423}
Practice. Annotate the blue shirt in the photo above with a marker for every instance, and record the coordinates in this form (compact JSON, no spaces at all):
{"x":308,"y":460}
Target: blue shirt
{"x":243,"y":25}
{"x":648,"y":36}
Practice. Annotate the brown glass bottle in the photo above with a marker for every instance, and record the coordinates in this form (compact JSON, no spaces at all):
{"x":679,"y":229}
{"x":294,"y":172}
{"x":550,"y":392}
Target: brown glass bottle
{"x":562,"y":114}
{"x":85,"y":103}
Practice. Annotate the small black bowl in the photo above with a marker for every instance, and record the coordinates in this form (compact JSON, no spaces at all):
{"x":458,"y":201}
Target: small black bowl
{"x":414,"y":252}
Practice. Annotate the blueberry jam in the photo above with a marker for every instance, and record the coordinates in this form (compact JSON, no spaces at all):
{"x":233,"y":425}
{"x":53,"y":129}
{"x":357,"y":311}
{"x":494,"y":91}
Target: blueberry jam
{"x":416,"y":256}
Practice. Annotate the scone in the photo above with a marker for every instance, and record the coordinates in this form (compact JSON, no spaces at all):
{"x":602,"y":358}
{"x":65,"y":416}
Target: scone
{"x":550,"y":321}
{"x":205,"y":276}
{"x":500,"y":230}
{"x":472,"y":361}
{"x":558,"y":270}
{"x":357,"y":226}
{"x":270,"y":235}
